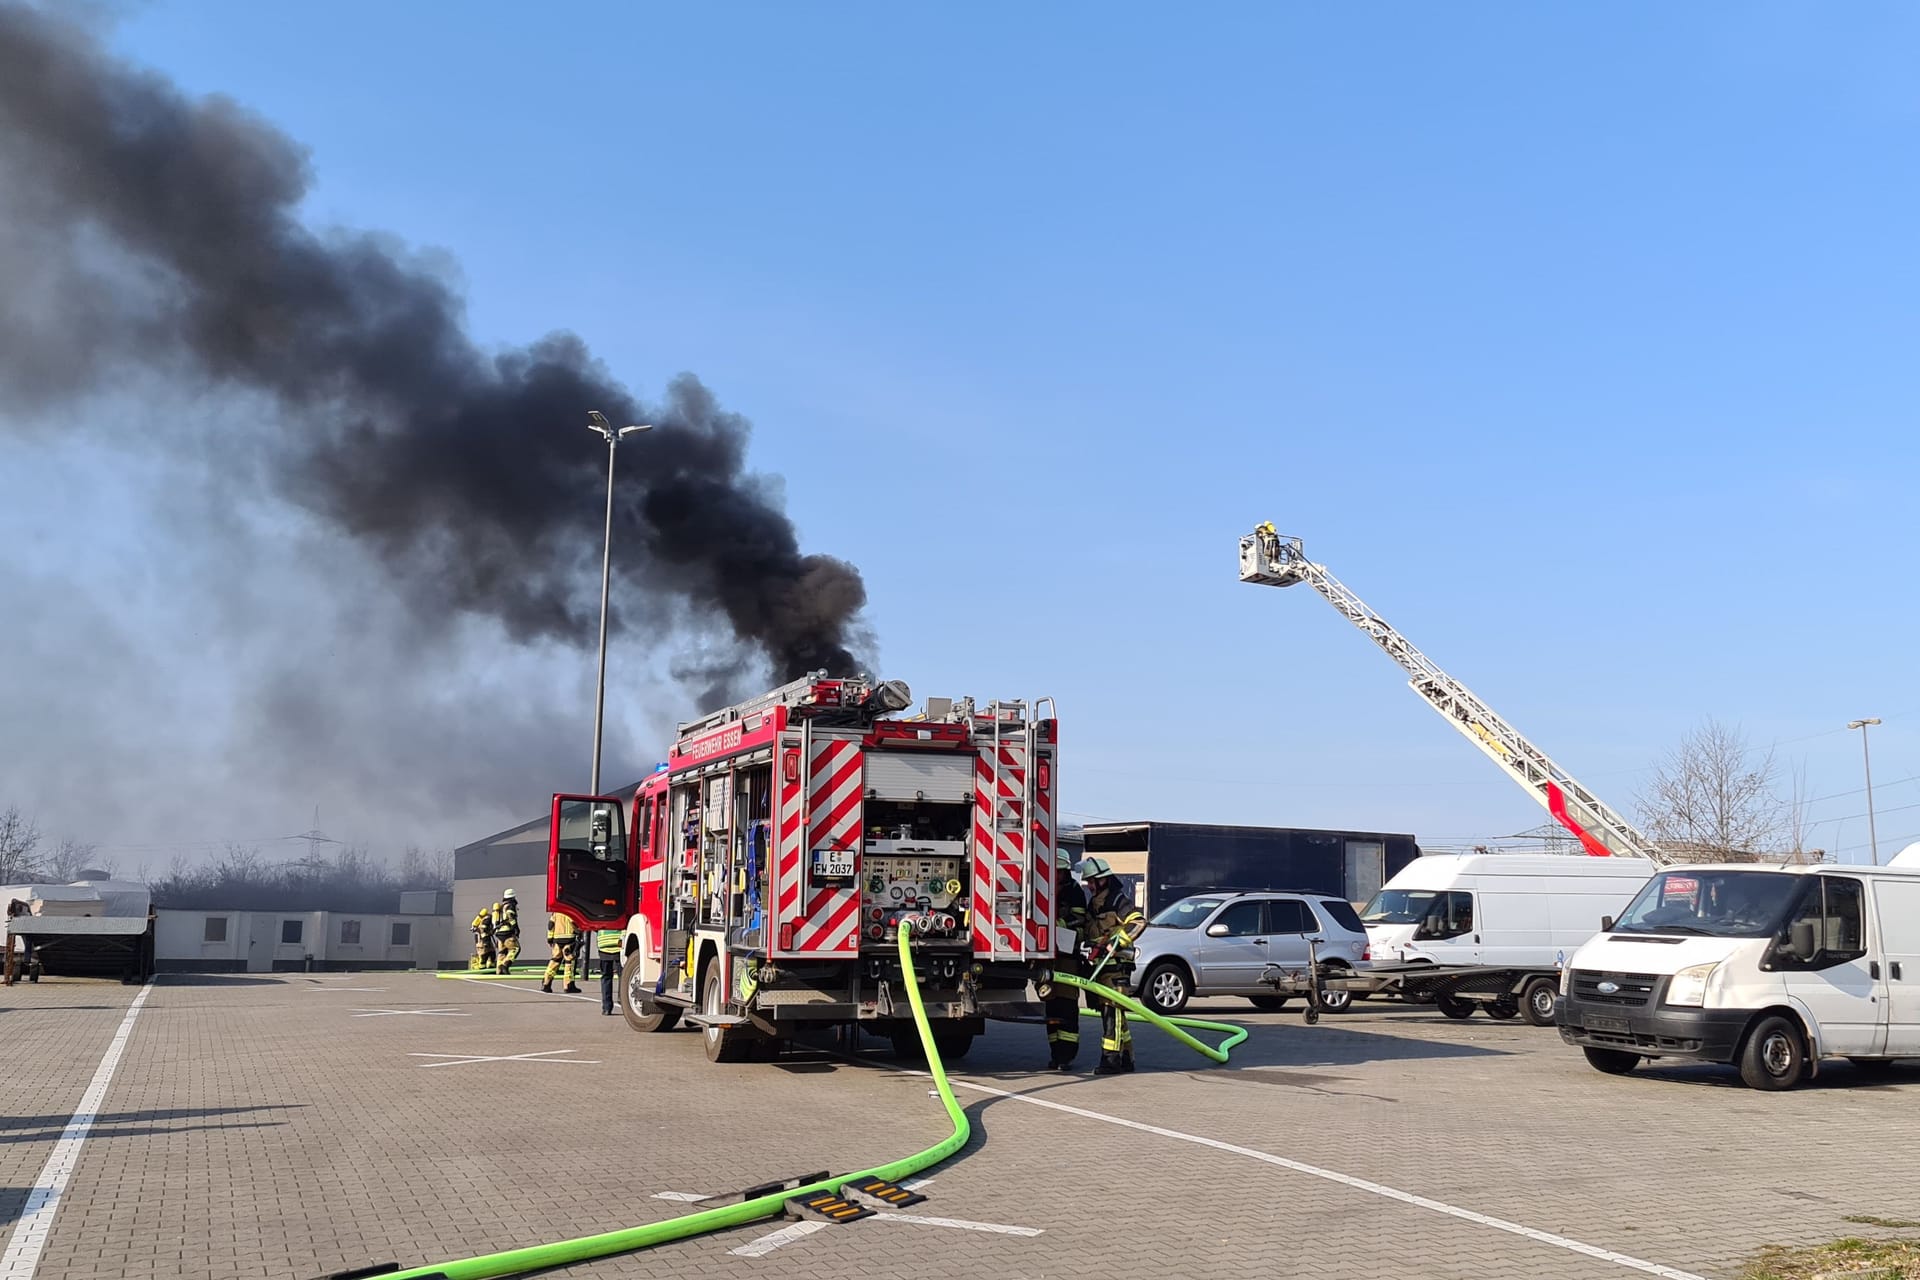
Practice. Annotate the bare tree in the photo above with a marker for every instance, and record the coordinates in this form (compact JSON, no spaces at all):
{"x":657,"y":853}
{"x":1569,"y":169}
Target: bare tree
{"x":19,"y":846}
{"x":1794,"y":826}
{"x":71,"y":857}
{"x":1713,"y":798}
{"x":421,"y":869}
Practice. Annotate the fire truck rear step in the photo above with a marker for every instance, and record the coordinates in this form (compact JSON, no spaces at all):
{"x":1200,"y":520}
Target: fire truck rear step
{"x":713,"y":1019}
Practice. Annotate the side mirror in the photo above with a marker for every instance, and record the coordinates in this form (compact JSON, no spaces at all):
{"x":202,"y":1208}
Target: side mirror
{"x":1216,"y":931}
{"x":1801,"y":942}
{"x":1606,"y":924}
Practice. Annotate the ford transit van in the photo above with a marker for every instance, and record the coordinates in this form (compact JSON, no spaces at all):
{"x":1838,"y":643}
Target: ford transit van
{"x":1768,"y":968}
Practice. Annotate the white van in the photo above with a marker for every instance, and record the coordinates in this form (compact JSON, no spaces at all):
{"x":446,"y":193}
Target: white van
{"x":1772,"y":968}
{"x":1507,"y":910}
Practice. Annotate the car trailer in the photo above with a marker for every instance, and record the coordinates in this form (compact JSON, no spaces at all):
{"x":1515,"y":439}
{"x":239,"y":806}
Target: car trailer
{"x":1457,"y":990}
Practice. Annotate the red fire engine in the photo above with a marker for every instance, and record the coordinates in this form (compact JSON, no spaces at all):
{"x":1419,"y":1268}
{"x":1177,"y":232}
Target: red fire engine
{"x":761,"y":875}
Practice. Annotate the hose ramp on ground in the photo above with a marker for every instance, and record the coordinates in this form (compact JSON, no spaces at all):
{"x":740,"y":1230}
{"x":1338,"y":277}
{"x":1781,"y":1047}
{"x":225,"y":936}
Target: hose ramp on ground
{"x":514,"y":1262}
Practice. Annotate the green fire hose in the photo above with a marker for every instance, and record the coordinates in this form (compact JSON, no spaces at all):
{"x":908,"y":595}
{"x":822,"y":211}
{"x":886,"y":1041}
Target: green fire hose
{"x":1172,"y":1026}
{"x":562,"y":1253}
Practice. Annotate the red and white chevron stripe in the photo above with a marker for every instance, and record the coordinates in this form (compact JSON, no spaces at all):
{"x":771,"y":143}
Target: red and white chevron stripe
{"x":981,"y":856}
{"x":1040,"y":849}
{"x":789,"y":847}
{"x":829,"y":923}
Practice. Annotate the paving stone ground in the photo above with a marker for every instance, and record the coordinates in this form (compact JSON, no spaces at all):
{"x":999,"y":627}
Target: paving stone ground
{"x":288,"y":1126}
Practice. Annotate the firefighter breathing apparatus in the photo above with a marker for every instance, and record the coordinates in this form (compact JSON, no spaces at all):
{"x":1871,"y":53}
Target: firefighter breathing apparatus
{"x":561,"y":1253}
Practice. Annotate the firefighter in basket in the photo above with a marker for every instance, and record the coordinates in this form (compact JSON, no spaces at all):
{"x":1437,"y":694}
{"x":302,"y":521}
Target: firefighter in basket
{"x":506,"y":931}
{"x":1063,"y":1005}
{"x":1114,"y":923}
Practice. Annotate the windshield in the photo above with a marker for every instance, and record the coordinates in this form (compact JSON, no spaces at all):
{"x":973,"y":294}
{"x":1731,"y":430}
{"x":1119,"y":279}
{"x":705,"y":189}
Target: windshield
{"x":1722,"y":904}
{"x":1399,"y":906}
{"x":1187,"y":913}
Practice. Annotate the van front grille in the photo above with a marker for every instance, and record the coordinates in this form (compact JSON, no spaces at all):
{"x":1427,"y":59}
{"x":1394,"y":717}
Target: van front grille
{"x":1625,"y":988}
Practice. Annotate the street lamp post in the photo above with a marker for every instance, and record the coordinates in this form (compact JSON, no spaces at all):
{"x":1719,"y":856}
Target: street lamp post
{"x":597,"y":421}
{"x":1866,"y":758}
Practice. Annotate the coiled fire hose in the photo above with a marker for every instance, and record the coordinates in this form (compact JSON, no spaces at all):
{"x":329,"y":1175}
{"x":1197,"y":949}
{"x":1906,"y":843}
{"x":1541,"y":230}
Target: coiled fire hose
{"x":562,"y":1253}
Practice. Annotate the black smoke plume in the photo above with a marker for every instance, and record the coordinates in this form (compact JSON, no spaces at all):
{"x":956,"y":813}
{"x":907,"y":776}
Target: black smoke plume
{"x":146,"y":233}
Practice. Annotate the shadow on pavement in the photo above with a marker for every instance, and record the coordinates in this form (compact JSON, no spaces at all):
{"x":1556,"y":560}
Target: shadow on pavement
{"x":138,"y":1124}
{"x":219,"y":980}
{"x":1834,"y":1074}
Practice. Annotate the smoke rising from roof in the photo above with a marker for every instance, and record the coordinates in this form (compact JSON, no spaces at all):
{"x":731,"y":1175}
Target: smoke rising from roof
{"x":147,"y":234}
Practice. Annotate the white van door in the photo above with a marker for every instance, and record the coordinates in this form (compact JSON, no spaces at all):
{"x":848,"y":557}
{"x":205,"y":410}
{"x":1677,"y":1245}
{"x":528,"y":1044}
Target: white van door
{"x":1839,"y":985}
{"x":1897,"y":903}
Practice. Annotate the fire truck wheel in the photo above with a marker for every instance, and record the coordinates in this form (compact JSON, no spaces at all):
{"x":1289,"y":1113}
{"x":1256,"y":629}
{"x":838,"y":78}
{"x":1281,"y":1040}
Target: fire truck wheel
{"x":724,"y":1044}
{"x":633,"y":1002}
{"x":1166,"y":988}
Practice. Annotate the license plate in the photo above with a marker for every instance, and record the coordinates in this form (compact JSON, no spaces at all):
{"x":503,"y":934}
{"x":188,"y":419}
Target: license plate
{"x":833,"y":863}
{"x":1600,"y":1022}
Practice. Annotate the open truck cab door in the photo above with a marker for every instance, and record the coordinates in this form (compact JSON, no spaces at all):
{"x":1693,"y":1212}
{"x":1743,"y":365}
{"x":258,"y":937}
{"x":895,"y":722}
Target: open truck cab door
{"x":590,"y":865}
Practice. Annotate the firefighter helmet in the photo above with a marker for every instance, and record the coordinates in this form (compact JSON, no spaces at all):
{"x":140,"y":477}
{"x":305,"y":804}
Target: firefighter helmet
{"x":1063,"y":860}
{"x":507,"y":892}
{"x":1093,"y":868}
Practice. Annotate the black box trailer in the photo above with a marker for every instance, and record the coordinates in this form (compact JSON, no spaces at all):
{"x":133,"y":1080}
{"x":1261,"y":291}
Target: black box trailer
{"x":1166,"y":861}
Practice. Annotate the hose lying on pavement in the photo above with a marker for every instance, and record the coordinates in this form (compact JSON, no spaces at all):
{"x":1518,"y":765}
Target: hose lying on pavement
{"x":1172,"y":1026}
{"x":562,"y":1253}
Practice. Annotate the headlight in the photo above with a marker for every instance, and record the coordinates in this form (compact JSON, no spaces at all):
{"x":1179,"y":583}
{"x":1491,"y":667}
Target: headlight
{"x":1566,"y":981}
{"x":1689,"y":986}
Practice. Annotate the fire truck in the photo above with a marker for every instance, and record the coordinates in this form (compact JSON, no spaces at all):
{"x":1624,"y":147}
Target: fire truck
{"x":762,"y":874}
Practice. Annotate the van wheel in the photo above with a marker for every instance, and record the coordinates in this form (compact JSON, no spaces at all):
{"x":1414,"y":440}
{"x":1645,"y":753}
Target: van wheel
{"x":724,"y":1044}
{"x":1453,"y":1006}
{"x":1615,"y":1062}
{"x":1537,"y":1000}
{"x":636,"y":1000}
{"x":1166,"y":989}
{"x":1268,"y":1004}
{"x":1774,"y":1056}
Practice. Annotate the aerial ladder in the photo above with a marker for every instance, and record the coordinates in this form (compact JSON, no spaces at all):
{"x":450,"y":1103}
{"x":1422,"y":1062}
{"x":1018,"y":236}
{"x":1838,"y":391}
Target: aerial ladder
{"x":1273,"y":560}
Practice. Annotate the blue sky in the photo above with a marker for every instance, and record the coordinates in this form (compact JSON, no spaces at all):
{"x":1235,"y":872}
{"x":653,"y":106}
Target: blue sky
{"x":1577,"y":340}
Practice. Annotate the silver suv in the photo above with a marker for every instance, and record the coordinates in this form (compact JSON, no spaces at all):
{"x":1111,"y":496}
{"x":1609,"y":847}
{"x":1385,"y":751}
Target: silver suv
{"x":1219,"y":944}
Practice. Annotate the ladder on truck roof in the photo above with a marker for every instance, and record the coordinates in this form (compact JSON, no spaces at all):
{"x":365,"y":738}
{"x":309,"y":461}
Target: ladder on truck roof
{"x":1269,"y":559}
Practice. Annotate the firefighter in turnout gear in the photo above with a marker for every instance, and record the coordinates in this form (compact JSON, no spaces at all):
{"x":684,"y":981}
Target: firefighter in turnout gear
{"x":1114,"y":923}
{"x":562,"y":934}
{"x":506,"y":931}
{"x":1063,"y":1006}
{"x":482,"y":940}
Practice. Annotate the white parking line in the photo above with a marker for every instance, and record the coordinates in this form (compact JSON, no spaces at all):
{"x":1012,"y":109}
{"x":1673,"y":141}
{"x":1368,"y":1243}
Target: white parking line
{"x":22,"y":1256}
{"x":683,"y":1197}
{"x":466,"y":1059}
{"x":774,"y":1239}
{"x":542,"y":994}
{"x":1347,"y":1180}
{"x":409,"y":1013}
{"x":962,"y":1224}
